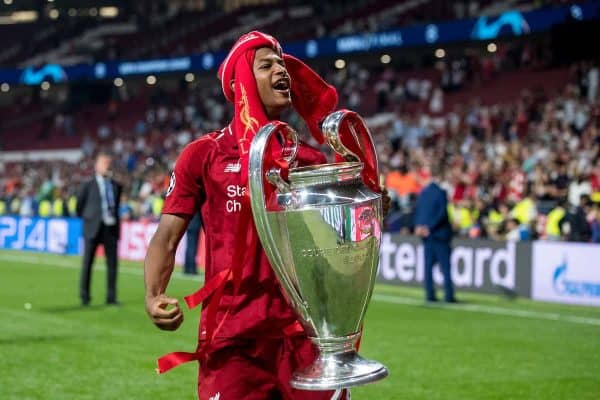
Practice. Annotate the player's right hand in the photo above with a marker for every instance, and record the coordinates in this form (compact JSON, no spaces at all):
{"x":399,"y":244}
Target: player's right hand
{"x":165,"y":317}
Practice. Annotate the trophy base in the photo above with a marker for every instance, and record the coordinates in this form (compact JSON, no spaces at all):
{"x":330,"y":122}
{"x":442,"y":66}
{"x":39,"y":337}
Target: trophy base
{"x":332,"y":371}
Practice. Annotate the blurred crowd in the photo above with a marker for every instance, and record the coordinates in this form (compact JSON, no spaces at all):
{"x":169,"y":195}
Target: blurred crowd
{"x":528,"y":169}
{"x":524,"y":169}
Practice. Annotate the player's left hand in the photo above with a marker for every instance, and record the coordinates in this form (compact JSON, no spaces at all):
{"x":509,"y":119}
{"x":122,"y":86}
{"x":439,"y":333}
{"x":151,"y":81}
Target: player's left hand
{"x":164,"y":312}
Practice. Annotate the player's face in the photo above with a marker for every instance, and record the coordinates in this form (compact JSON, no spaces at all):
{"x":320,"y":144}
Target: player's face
{"x":273,"y":82}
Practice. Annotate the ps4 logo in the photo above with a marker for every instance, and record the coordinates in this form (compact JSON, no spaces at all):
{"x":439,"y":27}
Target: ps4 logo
{"x":564,"y":286}
{"x":38,"y":234}
{"x":485,"y":29}
{"x":49,"y":72}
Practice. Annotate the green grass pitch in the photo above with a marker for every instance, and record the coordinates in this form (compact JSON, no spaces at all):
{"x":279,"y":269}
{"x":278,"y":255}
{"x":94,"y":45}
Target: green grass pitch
{"x":485,"y":348}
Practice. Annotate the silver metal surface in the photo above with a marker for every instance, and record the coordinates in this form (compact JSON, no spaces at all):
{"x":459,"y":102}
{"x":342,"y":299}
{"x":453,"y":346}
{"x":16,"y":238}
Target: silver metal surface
{"x":332,"y":371}
{"x":331,"y":128}
{"x":321,"y":233}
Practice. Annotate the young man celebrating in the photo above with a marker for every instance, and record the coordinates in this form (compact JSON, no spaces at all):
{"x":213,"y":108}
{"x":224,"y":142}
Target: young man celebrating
{"x":249,"y":342}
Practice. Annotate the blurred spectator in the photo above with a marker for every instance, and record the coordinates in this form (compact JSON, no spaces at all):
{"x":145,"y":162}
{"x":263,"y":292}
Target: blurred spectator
{"x":595,"y":224}
{"x":592,"y":93}
{"x":401,"y":183}
{"x":126,"y":212}
{"x":553,"y":222}
{"x":515,"y":231}
{"x":579,"y":186}
{"x":574,"y":225}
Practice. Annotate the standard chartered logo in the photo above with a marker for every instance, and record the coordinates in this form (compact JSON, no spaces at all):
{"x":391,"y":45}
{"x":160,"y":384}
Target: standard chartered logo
{"x":471,"y":266}
{"x":234,"y":192}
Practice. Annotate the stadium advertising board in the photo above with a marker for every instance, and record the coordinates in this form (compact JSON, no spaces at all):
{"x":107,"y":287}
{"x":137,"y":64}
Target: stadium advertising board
{"x":477,"y":265}
{"x":566,"y":273}
{"x":135,"y":236}
{"x":50,"y":235}
{"x":64,"y":236}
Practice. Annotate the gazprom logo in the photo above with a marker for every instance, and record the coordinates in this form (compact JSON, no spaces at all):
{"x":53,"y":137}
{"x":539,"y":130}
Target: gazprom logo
{"x":49,"y":72}
{"x":564,"y":286}
{"x":484,"y":29}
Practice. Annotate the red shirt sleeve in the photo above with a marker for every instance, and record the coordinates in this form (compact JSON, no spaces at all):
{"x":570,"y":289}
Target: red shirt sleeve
{"x":186,"y":190}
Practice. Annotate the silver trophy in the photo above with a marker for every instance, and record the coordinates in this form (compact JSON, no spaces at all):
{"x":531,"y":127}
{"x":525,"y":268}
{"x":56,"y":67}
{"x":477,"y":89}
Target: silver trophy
{"x":320,"y":229}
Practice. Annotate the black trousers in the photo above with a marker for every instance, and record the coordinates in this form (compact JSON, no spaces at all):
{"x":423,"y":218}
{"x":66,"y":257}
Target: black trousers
{"x":189,"y":266}
{"x":438,"y":251}
{"x":108,"y":236}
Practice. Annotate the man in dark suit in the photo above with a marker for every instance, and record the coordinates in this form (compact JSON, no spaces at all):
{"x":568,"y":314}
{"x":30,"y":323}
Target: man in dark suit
{"x":433,"y":226}
{"x":98,"y":205}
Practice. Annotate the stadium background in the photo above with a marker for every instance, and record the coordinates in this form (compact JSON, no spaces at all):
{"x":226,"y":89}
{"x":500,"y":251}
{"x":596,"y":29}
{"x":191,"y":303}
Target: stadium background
{"x":502,"y":94}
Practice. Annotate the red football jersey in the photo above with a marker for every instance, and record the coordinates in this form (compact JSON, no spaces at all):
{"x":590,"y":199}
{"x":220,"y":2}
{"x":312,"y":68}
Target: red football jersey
{"x":207,"y":177}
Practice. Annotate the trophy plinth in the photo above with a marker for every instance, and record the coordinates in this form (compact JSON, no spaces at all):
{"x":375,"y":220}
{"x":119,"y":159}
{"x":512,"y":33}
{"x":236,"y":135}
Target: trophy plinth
{"x":338,"y":366}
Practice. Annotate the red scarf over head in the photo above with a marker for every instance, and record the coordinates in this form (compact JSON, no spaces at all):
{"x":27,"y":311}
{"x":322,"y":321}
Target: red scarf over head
{"x":312,"y":97}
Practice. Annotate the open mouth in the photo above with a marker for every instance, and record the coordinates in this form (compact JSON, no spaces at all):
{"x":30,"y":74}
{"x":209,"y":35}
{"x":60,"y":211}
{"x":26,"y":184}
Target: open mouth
{"x":282,"y":85}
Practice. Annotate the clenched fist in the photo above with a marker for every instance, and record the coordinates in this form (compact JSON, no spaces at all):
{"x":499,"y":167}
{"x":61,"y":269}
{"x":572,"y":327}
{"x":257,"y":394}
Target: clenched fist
{"x":165,"y":317}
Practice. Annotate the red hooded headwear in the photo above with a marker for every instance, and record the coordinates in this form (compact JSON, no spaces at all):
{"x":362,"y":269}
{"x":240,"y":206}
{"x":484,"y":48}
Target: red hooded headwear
{"x":312,"y":97}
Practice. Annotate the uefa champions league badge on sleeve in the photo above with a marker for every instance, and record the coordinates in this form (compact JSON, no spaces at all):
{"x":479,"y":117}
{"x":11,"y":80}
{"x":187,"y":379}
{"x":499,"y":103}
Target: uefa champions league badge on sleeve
{"x":171,"y":184}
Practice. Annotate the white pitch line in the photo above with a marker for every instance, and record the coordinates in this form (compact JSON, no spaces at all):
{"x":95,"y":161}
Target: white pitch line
{"x":71,"y":264}
{"x":385,"y":298}
{"x":510,"y":312}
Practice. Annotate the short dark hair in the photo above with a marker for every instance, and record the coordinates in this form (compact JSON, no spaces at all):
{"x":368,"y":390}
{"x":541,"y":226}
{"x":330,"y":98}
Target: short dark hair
{"x":585,"y":199}
{"x":104,"y":153}
{"x":437,"y":169}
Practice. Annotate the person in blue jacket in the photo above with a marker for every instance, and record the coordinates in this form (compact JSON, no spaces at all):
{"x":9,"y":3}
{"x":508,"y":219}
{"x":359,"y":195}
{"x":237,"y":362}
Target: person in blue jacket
{"x":433,"y":226}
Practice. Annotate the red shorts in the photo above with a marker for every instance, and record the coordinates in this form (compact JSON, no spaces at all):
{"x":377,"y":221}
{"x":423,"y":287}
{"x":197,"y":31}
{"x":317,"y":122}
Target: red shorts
{"x":259,"y":370}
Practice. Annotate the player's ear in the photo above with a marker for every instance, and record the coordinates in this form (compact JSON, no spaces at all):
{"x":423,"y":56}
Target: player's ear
{"x":232,"y":84}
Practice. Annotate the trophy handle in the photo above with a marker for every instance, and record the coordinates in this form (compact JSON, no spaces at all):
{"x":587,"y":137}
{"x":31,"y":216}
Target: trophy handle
{"x":348,"y":135}
{"x":256,"y":174}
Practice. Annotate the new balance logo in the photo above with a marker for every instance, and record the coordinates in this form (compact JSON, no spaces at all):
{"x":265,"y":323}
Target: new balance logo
{"x":215,"y":397}
{"x":237,"y":167}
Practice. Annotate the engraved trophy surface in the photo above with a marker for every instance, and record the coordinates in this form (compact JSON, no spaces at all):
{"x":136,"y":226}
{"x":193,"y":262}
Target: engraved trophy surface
{"x":320,"y":229}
